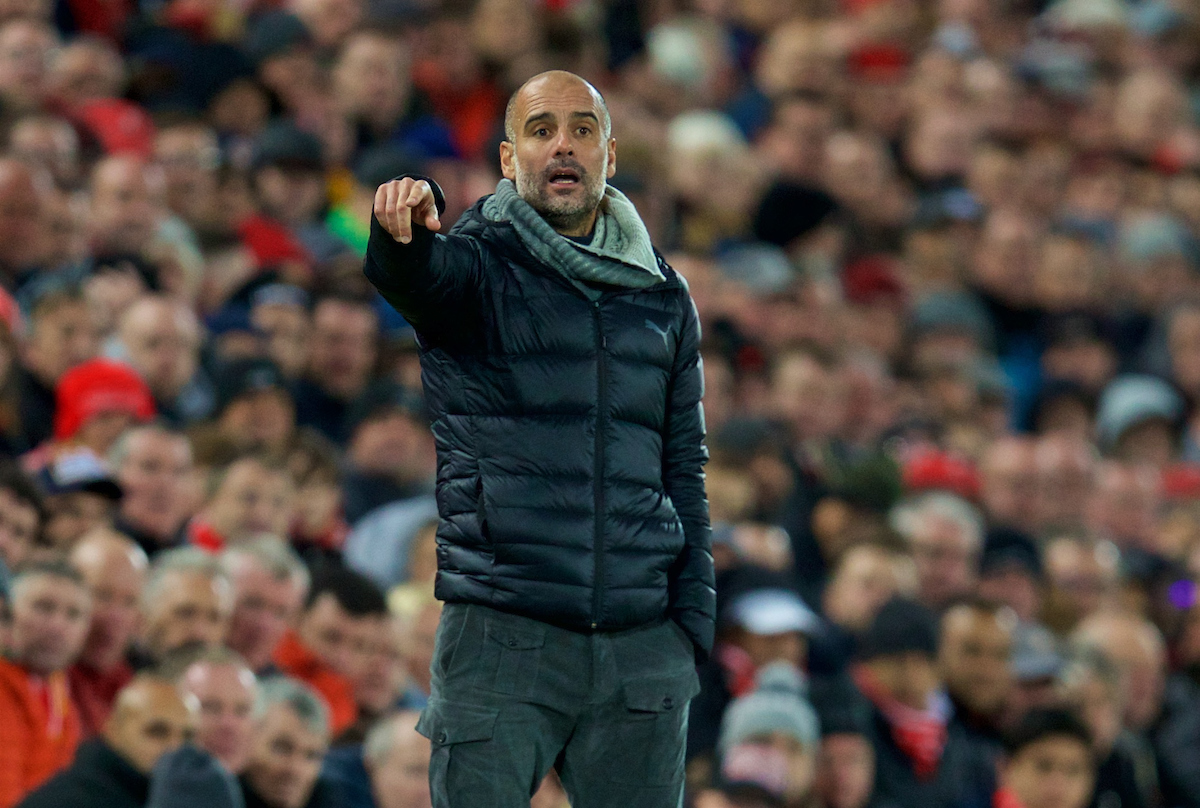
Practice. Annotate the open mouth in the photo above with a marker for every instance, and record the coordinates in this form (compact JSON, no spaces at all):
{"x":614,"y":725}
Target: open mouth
{"x":564,"y":178}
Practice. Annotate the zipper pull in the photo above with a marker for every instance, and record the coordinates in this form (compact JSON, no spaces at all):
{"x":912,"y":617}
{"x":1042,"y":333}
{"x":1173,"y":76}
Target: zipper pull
{"x":603,"y":342}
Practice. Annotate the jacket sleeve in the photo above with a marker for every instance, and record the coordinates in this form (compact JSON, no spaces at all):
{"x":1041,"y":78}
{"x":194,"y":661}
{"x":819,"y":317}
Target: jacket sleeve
{"x":433,"y":280}
{"x":692,"y":584}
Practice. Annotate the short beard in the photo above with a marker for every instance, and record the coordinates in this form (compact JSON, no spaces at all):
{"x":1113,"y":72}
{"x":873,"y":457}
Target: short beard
{"x":562,"y":214}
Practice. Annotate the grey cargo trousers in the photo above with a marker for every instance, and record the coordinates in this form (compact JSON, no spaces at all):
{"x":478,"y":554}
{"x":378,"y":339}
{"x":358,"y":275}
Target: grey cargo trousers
{"x":512,"y":697}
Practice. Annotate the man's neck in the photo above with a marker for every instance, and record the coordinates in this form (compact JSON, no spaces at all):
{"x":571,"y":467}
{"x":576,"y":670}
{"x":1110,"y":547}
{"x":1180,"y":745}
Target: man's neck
{"x":574,"y":227}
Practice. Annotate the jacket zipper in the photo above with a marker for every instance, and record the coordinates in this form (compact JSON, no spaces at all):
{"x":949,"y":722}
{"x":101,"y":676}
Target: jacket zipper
{"x":601,"y":412}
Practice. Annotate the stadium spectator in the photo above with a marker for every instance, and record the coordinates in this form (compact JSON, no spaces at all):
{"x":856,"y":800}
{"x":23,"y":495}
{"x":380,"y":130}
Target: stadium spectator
{"x":251,"y":495}
{"x":270,"y":584}
{"x":291,"y":736}
{"x":1050,"y":762}
{"x":185,"y":604}
{"x":225,"y":690}
{"x":153,"y":464}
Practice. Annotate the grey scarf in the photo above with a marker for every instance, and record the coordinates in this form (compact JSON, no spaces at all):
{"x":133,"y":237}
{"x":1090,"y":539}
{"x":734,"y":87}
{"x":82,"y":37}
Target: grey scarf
{"x":619,"y":255}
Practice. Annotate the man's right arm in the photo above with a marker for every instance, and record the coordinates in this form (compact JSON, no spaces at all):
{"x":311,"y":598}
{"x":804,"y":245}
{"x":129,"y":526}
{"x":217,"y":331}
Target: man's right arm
{"x":426,"y":277}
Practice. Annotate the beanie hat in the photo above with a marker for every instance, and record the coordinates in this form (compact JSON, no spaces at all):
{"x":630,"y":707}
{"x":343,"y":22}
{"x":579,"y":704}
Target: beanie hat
{"x":98,"y":386}
{"x":901,"y":626}
{"x":1134,"y":399}
{"x":777,"y":704}
{"x":192,"y":777}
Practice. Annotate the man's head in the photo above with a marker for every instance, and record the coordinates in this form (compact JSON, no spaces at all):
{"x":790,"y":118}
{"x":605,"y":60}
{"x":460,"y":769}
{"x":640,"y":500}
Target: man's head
{"x":945,"y":533}
{"x":559,"y":149}
{"x":126,"y":199}
{"x":251,"y":496}
{"x":61,"y":335}
{"x":343,"y":345}
{"x":1092,"y":685}
{"x":22,"y":211}
{"x":269,"y":585}
{"x":866,"y":577}
{"x":390,"y":435}
{"x":1081,"y":577}
{"x":189,"y":155}
{"x":81,"y":495}
{"x":186,"y":602}
{"x":1008,"y":473}
{"x":342,"y":609}
{"x":1137,"y":648}
{"x":21,"y":515}
{"x":1049,"y":761}
{"x":771,"y":625}
{"x":149,"y":719}
{"x":50,"y":609}
{"x":162,"y":340}
{"x":114,"y":569}
{"x":900,"y":648}
{"x":291,"y":736}
{"x":154,"y":466}
{"x":225,"y":689}
{"x":397,"y":761}
{"x":1125,"y":503}
{"x":1066,"y":468}
{"x":417,"y":633}
{"x":254,"y":407}
{"x":974,"y":658}
{"x":371,"y":77}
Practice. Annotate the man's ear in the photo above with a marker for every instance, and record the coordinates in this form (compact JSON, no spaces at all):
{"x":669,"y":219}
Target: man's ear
{"x":507,"y":162}
{"x":612,"y":157}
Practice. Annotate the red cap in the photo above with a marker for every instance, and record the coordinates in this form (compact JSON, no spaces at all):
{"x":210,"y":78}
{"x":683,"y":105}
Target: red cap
{"x":121,"y":126}
{"x":98,"y":386}
{"x":872,"y":278}
{"x":878,"y":61}
{"x":933,"y":470}
{"x":1181,"y":482}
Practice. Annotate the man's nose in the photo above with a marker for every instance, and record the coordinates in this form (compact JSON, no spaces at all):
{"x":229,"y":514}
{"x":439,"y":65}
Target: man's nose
{"x":563,"y":145}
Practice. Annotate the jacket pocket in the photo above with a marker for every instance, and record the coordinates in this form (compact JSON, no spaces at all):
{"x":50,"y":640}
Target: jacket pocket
{"x":513,"y":654}
{"x":654,"y":731}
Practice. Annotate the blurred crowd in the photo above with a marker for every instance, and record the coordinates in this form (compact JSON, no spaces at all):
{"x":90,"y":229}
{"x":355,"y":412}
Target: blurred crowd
{"x":945,"y":254}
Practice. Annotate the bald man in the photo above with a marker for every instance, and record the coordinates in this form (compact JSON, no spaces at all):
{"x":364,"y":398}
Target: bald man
{"x":24,"y":242}
{"x":151,"y":717}
{"x":127,"y":197}
{"x":161,"y":340}
{"x":114,"y":569}
{"x":397,"y":757}
{"x":561,"y":364}
{"x":1138,"y":649}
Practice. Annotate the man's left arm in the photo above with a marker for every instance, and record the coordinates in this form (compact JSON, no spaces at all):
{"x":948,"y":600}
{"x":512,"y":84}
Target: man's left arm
{"x":692,"y":594}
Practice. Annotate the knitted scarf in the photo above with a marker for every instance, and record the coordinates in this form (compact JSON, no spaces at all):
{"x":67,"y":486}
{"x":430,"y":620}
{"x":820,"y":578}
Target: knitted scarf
{"x":919,"y":734}
{"x":619,"y":254}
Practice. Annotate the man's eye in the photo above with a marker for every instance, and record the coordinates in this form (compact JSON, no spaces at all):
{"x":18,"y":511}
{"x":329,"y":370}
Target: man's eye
{"x":540,"y":132}
{"x":583,"y":130}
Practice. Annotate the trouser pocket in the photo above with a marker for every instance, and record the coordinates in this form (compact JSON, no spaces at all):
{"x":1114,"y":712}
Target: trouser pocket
{"x":652,"y":728}
{"x":462,"y":760}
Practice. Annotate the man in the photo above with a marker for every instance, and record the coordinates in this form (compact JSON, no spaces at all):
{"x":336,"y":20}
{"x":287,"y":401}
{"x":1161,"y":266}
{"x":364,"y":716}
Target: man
{"x":225,"y":689}
{"x":160,"y":338}
{"x":343,"y":346}
{"x":1082,"y":577}
{"x":1136,"y":646}
{"x":251,"y":495}
{"x":61,"y":336}
{"x":332,"y":637}
{"x":150,"y":718}
{"x":154,"y":467}
{"x":291,"y":736}
{"x":1009,"y":483}
{"x":865,"y":577}
{"x":255,"y":411}
{"x":126,"y":205}
{"x":39,"y":725}
{"x":21,"y":513}
{"x":269,"y":586}
{"x":114,"y":569}
{"x":923,"y":760}
{"x":1050,"y":763}
{"x":23,"y":198}
{"x":397,"y":760}
{"x":945,"y":533}
{"x":974,"y":659}
{"x":80,"y":495}
{"x":541,"y":575}
{"x":186,"y":603}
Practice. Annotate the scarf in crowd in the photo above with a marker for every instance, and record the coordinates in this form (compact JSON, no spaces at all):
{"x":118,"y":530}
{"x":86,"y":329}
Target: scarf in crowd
{"x":919,"y":734}
{"x":619,"y":254}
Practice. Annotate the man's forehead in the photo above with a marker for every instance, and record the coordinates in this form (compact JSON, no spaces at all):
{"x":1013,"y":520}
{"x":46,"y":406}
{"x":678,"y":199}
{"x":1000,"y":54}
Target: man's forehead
{"x":556,"y":95}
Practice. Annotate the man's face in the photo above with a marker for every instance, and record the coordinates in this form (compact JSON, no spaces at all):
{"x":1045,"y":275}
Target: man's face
{"x":866,"y":579}
{"x":115,"y":579}
{"x":126,"y":197}
{"x":371,"y":76}
{"x":22,"y":219}
{"x":156,"y":478}
{"x":163,"y":346}
{"x":560,"y":159}
{"x":1010,"y":483}
{"x":285,"y":758}
{"x":788,"y":646}
{"x":1056,"y":772}
{"x":911,"y":677}
{"x":946,"y":560}
{"x":260,"y":420}
{"x":292,"y":194}
{"x":395,"y":445}
{"x":251,"y":499}
{"x":18,"y":528}
{"x":50,"y":618}
{"x":154,"y":720}
{"x":401,"y":780}
{"x":62,"y":338}
{"x":335,"y":635}
{"x":380,"y":671}
{"x":342,"y":347}
{"x":73,"y":514}
{"x":974,"y":657}
{"x":226,"y":697}
{"x":845,"y":770}
{"x":263,"y":609}
{"x":286,"y":328}
{"x":192,"y":609}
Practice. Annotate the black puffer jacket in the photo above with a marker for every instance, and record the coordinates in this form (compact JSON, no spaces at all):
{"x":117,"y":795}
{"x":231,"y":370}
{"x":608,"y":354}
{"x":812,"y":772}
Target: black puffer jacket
{"x":569,"y":433}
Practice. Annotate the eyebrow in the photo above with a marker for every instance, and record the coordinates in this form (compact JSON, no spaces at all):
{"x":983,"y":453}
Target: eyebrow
{"x":549,"y":116}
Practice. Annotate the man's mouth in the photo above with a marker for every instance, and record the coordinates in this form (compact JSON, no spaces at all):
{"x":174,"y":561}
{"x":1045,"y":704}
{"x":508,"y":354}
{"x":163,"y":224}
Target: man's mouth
{"x":564,"y":178}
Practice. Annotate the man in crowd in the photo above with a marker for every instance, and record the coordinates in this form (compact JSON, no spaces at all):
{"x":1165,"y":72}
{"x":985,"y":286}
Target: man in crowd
{"x":291,"y":736}
{"x":21,"y":515}
{"x":50,"y":610}
{"x":397,"y":760}
{"x":186,"y":603}
{"x":225,"y":689}
{"x":974,"y":661}
{"x":150,"y":718}
{"x":153,"y":463}
{"x":946,"y":536}
{"x":251,"y":495}
{"x":269,"y":587}
{"x":1049,"y":762}
{"x":114,"y":569}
